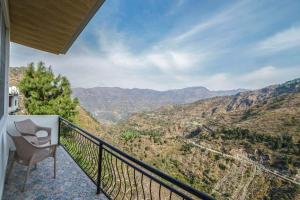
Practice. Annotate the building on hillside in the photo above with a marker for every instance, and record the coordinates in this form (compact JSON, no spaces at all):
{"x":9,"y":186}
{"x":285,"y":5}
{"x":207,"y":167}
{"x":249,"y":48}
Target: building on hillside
{"x":13,"y":100}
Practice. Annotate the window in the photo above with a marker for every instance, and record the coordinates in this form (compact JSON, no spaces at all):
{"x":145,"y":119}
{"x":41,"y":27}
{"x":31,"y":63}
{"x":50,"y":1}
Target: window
{"x":10,"y":101}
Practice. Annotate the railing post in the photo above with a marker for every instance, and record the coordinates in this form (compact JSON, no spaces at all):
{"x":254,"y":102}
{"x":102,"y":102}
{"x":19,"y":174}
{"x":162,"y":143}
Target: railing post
{"x":99,"y":168}
{"x":59,"y":130}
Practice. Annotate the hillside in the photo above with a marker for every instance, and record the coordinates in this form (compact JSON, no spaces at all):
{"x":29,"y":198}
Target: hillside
{"x":112,"y":104}
{"x":260,"y":127}
{"x":167,"y":138}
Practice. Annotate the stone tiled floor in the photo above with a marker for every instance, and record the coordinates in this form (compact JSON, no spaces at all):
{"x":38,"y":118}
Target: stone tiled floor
{"x":70,"y":182}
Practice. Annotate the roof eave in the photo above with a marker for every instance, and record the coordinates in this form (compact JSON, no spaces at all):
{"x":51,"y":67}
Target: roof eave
{"x":82,"y":26}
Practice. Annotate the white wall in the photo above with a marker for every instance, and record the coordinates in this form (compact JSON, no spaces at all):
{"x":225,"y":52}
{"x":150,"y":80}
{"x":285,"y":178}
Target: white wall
{"x":3,"y":120}
{"x":3,"y":153}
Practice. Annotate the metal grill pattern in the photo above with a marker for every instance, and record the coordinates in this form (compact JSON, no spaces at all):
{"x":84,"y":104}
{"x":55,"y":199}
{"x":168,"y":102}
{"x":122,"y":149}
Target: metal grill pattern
{"x":81,"y":148}
{"x":115,"y":173}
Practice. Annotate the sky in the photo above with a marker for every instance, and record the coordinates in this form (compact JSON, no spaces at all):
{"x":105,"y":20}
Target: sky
{"x":169,"y":44}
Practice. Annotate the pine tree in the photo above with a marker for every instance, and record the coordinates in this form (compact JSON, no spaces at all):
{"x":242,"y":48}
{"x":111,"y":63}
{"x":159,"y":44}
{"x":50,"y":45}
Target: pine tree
{"x":46,"y":93}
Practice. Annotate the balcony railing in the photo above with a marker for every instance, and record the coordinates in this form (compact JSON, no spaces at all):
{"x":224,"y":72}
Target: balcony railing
{"x":117,"y":174}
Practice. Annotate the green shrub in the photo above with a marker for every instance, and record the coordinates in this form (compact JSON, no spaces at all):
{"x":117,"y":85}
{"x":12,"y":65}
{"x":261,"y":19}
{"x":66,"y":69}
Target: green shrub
{"x":222,"y":167}
{"x":151,"y":133}
{"x":47,"y":94}
{"x":247,"y":114}
{"x":157,"y":140}
{"x":217,"y":157}
{"x":130,"y":135}
{"x":186,"y":148}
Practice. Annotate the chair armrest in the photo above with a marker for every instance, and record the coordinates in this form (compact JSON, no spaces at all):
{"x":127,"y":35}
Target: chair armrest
{"x":27,"y":134}
{"x":44,"y":147}
{"x":51,"y":147}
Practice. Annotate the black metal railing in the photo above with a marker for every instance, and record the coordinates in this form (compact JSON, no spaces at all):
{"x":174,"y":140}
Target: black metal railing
{"x":117,"y":174}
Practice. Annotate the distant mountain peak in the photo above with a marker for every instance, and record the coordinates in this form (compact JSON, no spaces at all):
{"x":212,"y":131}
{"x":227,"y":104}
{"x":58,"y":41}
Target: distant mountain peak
{"x":112,"y":104}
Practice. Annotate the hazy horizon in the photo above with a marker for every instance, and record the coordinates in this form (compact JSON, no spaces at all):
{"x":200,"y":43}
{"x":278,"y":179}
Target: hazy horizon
{"x":196,"y":86}
{"x":181,"y":43}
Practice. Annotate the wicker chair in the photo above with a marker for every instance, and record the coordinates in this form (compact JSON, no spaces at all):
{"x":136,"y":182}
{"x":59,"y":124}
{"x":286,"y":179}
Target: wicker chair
{"x":29,"y":129}
{"x":30,"y":154}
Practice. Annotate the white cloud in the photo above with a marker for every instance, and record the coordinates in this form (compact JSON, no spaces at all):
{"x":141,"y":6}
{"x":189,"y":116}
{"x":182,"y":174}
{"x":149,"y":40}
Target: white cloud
{"x":93,"y":69}
{"x":113,"y":63}
{"x":169,"y":61}
{"x":222,"y":22}
{"x":269,"y":75}
{"x":261,"y":77}
{"x":283,"y":40}
{"x":179,"y":59}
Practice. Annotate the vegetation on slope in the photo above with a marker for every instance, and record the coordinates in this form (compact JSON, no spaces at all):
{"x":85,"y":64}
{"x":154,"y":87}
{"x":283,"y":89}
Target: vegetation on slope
{"x":262,"y":125}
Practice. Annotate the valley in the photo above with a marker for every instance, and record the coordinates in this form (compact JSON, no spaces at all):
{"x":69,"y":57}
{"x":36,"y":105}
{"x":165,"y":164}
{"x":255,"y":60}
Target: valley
{"x":244,"y":146}
{"x":250,"y":138}
{"x":112,"y":104}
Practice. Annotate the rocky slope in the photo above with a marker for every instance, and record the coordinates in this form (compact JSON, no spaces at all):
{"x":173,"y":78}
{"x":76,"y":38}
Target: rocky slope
{"x":112,"y":104}
{"x":261,"y":126}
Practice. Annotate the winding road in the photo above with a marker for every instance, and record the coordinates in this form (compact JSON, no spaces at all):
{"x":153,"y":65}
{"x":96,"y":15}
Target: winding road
{"x":246,"y":160}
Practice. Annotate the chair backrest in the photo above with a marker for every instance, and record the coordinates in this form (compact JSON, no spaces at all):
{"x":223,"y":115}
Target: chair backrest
{"x":26,"y":126}
{"x":24,"y":148}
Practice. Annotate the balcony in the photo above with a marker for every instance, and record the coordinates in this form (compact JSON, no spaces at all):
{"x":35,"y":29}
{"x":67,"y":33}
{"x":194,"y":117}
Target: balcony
{"x":90,"y":168}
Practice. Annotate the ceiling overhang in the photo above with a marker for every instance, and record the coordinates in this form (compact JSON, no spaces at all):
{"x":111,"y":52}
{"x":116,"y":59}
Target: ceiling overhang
{"x":49,"y":25}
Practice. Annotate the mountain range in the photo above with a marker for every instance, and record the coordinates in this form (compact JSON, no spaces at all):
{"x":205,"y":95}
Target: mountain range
{"x":113,"y":104}
{"x":227,"y":146}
